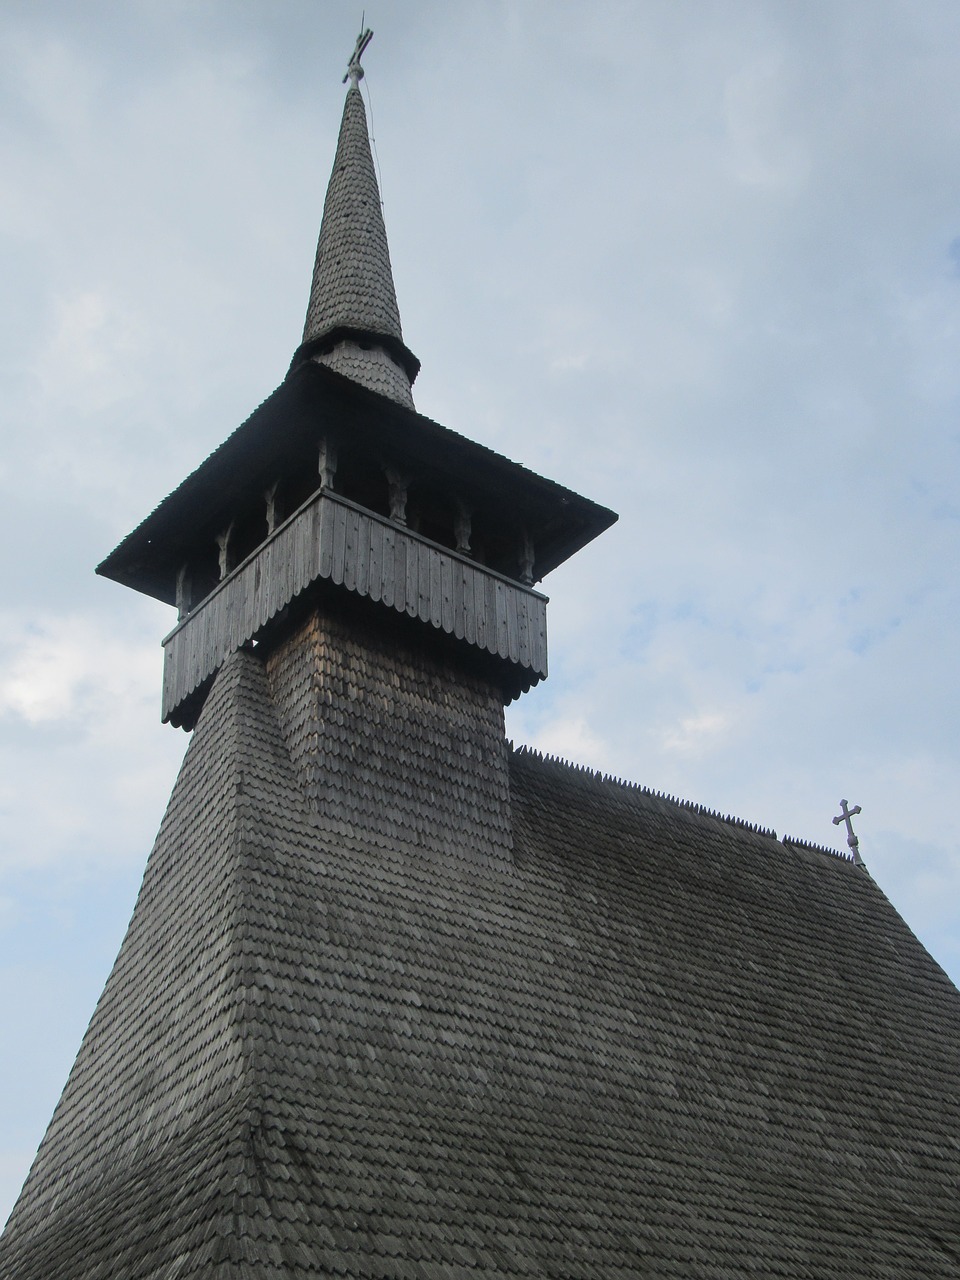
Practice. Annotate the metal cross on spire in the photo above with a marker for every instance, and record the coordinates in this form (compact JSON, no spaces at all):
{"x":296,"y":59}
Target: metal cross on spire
{"x":845,"y":815}
{"x":354,"y":69}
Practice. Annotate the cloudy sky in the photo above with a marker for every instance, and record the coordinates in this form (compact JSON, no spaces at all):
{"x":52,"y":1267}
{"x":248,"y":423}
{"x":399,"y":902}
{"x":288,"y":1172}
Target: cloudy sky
{"x":700,"y":262}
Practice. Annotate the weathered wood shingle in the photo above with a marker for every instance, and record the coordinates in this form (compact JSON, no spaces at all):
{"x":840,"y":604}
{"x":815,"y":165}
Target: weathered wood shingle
{"x":352,"y":294}
{"x":333,"y":541}
{"x":655,"y":1043}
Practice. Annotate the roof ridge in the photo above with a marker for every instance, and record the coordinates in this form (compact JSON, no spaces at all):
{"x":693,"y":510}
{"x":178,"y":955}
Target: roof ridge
{"x":689,"y":806}
{"x":625,"y":784}
{"x":799,"y":843}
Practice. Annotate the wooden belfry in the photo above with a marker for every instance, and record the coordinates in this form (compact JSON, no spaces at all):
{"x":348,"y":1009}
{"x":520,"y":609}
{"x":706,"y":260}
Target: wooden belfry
{"x":335,"y":487}
{"x":400,"y":1002}
{"x":339,"y":522}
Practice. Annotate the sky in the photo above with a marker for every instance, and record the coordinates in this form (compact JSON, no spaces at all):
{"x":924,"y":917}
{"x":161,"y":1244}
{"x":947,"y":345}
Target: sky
{"x":697,"y":261}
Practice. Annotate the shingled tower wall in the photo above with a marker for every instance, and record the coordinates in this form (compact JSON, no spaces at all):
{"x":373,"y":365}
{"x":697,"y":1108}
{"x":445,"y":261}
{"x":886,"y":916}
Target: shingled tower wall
{"x":392,"y":739}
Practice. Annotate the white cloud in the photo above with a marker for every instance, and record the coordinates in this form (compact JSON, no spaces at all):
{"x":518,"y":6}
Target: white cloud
{"x":79,"y":734}
{"x":89,"y":362}
{"x":61,"y":668}
{"x":698,"y":734}
{"x":762,"y":152}
{"x":571,"y":738}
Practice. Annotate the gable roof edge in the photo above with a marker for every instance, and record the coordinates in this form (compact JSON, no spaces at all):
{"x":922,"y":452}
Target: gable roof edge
{"x":590,"y":774}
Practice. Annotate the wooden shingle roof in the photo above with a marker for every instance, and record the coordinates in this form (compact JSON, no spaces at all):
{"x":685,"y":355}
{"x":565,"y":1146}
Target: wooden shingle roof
{"x":352,"y":279}
{"x":353,"y":321}
{"x":656,"y":1043}
{"x":282,"y":435}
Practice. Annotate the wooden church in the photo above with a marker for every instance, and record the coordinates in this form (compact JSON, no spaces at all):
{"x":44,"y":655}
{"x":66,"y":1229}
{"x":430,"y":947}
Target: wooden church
{"x":398,"y":1001}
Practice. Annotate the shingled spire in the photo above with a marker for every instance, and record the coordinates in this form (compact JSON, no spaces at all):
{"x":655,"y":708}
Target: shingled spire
{"x":353,"y":322}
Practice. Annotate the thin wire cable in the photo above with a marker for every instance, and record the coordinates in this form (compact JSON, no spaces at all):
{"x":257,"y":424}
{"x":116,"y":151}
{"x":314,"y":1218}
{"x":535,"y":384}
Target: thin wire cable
{"x":373,"y":139}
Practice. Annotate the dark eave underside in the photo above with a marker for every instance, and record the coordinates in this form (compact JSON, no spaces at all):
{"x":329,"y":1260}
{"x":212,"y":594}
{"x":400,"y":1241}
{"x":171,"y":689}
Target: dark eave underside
{"x":282,"y":434}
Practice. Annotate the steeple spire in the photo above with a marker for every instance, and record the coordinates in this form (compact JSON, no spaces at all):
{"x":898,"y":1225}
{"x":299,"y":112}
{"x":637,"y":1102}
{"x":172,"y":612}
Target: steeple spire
{"x":353,"y":322}
{"x":329,"y":488}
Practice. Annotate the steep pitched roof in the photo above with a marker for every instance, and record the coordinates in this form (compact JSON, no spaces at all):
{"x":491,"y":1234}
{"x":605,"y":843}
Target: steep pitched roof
{"x":658,"y":1043}
{"x":282,"y":434}
{"x":166,"y":1066}
{"x":353,"y":322}
{"x":352,"y":278}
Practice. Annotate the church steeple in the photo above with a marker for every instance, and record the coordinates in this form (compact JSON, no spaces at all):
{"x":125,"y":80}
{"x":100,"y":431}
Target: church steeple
{"x":353,"y":322}
{"x":329,"y":495}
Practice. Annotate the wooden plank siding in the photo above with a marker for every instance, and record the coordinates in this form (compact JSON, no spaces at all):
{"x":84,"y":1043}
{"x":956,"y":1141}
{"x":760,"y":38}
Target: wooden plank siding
{"x":333,"y":539}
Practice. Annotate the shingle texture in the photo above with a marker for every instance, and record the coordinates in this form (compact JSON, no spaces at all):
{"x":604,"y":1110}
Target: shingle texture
{"x":333,"y":541}
{"x":280,"y":439}
{"x":372,"y":368}
{"x":654,"y":1043}
{"x":352,"y":278}
{"x":391,"y":739}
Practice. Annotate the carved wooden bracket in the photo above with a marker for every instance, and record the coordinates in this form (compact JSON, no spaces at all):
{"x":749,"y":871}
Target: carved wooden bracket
{"x":398,"y":485}
{"x":273,"y":512}
{"x":526,"y":559}
{"x":223,"y":545}
{"x":328,"y":462}
{"x":463,"y":528}
{"x":183,"y":591}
